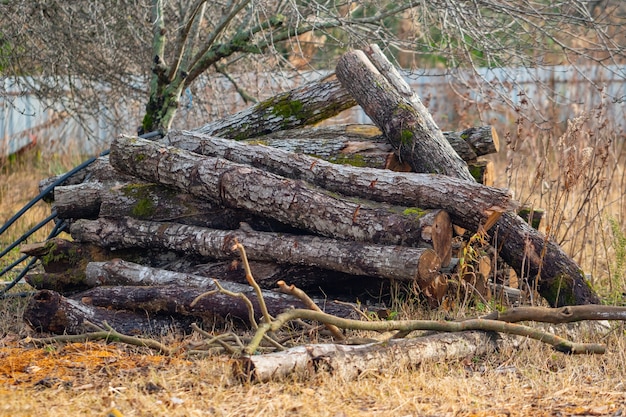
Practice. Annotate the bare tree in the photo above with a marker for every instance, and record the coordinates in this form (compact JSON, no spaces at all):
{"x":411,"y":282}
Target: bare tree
{"x":88,"y":55}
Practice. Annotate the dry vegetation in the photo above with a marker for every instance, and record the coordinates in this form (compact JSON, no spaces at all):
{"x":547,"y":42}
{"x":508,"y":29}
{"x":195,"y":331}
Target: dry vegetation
{"x":576,"y":174}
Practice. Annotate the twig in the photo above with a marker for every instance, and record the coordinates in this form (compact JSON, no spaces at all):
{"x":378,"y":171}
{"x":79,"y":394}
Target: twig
{"x":297,"y":292}
{"x":266,"y":315}
{"x":558,"y":343}
{"x":107,"y":333}
{"x":215,"y":339}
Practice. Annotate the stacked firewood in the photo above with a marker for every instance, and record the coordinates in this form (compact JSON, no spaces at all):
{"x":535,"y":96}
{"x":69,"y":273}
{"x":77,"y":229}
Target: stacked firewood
{"x":153,"y":225}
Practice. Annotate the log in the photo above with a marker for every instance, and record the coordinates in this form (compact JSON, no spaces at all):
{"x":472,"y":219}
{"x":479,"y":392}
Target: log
{"x":407,"y":189}
{"x":50,"y":312}
{"x":390,"y":262}
{"x":305,"y":105}
{"x":482,"y":171}
{"x":98,"y":171}
{"x":391,"y":104}
{"x":153,"y":202}
{"x":67,"y":277}
{"x":350,"y":361}
{"x":288,"y":201}
{"x":366,"y":143}
{"x":151,"y":290}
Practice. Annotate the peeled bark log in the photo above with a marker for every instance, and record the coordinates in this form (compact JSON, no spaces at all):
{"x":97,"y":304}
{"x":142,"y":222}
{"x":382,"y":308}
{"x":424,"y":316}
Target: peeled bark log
{"x":367,"y":144}
{"x":391,"y":104}
{"x":285,"y":200}
{"x":50,"y":312}
{"x":468,"y":203}
{"x":305,"y":105}
{"x":350,"y":361}
{"x":354,"y":258}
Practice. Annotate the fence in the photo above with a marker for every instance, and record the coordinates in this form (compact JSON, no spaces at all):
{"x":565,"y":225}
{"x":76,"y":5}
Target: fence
{"x":566,"y":91}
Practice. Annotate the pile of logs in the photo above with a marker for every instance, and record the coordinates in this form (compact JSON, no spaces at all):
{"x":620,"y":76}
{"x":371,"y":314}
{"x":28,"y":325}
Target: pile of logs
{"x":332,"y":210}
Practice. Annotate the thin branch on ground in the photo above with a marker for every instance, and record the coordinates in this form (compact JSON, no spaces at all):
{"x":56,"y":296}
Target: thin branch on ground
{"x":107,"y":333}
{"x":558,"y":343}
{"x":297,"y":292}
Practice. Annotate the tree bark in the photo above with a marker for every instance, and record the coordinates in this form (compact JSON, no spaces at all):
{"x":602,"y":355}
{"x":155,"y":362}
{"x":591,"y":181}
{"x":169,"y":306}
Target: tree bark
{"x":285,"y":200}
{"x":392,"y":262}
{"x":350,"y":361}
{"x":50,"y":312}
{"x":305,"y":105}
{"x":67,"y":270}
{"x":147,"y":201}
{"x":210,"y":303}
{"x":468,"y":203}
{"x":367,"y":141}
{"x":391,"y":104}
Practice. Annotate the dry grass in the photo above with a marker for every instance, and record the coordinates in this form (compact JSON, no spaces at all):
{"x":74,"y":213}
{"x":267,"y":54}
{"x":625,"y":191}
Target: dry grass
{"x":91,"y":378}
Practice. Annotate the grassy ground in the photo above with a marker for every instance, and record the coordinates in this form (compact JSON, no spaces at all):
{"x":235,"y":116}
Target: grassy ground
{"x":586,"y":217}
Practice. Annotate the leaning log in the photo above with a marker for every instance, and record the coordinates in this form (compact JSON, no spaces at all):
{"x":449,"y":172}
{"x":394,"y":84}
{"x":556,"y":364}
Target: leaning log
{"x":50,"y":312}
{"x":391,"y":262}
{"x":350,"y":361}
{"x":468,"y":203}
{"x":305,"y":105}
{"x":288,"y":201}
{"x":406,"y":122}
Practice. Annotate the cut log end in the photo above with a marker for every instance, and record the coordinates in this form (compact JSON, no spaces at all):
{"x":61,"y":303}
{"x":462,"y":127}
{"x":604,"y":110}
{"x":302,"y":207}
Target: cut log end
{"x":428,"y":268}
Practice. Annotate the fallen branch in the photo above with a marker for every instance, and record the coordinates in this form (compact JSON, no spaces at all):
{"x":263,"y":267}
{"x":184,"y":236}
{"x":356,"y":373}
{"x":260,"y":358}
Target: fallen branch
{"x":108,"y":334}
{"x":558,"y":343}
{"x":567,"y":314}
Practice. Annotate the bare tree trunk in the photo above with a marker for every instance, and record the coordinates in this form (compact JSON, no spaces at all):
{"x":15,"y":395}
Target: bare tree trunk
{"x":287,"y":201}
{"x":305,"y":105}
{"x":468,"y":203}
{"x":354,"y":258}
{"x":409,"y":126}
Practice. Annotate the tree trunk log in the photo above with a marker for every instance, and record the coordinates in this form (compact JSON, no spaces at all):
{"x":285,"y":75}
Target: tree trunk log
{"x":350,"y":361}
{"x":285,"y":200}
{"x":468,"y":203}
{"x":67,"y":268}
{"x":179,"y":299}
{"x":50,"y":312}
{"x":399,"y":113}
{"x":146,"y":201}
{"x":305,"y":105}
{"x":354,"y":258}
{"x":332,"y":143}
